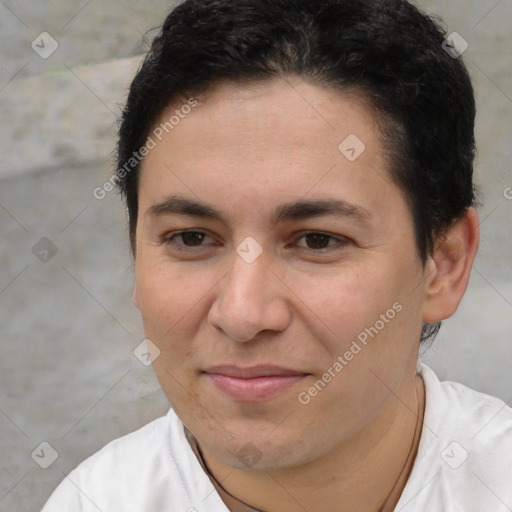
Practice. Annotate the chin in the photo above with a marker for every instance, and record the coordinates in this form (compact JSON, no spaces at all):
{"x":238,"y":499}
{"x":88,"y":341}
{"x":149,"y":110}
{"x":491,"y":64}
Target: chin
{"x":258,"y":451}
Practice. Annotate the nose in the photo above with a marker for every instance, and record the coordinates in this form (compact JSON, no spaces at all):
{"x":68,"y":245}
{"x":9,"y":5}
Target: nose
{"x":251,"y":298}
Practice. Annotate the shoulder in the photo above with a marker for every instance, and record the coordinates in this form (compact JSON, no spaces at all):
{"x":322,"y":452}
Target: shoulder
{"x":459,"y":411}
{"x":128,"y":448}
{"x":464,"y":460}
{"x":138,"y":471}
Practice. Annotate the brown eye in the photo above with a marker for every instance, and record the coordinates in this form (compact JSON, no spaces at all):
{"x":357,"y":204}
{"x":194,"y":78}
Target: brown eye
{"x":317,"y":241}
{"x":188,"y":239}
{"x":192,"y":238}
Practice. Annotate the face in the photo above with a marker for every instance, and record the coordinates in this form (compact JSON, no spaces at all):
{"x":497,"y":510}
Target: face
{"x":276,"y":271}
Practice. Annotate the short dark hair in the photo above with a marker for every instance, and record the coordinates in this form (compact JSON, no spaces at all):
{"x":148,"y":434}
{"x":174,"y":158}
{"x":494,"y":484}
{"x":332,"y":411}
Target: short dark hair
{"x":387,"y":51}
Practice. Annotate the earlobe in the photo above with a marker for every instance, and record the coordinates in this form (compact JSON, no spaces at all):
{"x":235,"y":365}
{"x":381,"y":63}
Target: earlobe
{"x":451,"y":264}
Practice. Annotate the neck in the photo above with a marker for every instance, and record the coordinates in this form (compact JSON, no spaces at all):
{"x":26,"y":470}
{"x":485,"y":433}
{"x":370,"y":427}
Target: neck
{"x":365,"y":474}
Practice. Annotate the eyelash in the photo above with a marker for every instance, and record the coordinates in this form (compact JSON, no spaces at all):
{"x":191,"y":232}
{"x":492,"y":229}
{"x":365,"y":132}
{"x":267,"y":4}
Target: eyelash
{"x":168,"y":241}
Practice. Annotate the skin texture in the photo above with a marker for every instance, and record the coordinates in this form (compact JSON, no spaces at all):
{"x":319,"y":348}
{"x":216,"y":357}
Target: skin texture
{"x":244,"y":150}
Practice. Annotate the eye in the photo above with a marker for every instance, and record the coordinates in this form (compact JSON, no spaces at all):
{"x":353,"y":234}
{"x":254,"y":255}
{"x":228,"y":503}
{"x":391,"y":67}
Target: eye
{"x":315,"y":241}
{"x":188,"y":239}
{"x":318,"y":241}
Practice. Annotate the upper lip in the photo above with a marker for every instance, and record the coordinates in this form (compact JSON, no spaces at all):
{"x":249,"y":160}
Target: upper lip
{"x":252,"y":372}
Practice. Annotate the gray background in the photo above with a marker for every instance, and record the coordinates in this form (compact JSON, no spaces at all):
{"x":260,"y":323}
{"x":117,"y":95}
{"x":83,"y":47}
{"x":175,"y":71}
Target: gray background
{"x":68,"y":375}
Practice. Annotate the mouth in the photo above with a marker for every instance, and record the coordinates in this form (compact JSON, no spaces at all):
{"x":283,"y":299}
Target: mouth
{"x":254,"y":384}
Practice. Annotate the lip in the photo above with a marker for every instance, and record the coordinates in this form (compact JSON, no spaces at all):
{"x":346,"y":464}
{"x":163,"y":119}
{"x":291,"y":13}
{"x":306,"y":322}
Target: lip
{"x":253,"y":384}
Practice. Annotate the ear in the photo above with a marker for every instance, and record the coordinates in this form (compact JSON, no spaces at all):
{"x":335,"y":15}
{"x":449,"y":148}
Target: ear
{"x":449,"y":268}
{"x":135,"y":298}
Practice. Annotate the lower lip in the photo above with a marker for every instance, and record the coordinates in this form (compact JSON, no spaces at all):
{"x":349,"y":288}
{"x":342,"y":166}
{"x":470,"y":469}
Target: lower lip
{"x":257,"y":389}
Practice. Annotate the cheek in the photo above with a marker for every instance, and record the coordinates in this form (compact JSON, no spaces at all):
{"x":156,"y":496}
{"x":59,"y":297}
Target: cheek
{"x":341,"y":303}
{"x":170,"y":305}
{"x":168,"y":298}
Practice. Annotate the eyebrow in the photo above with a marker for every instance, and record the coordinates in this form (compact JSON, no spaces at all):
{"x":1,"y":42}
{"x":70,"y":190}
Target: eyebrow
{"x":302,"y":209}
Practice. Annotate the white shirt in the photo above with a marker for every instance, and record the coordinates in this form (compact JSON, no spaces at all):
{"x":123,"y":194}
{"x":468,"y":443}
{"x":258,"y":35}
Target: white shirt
{"x":463,"y":464}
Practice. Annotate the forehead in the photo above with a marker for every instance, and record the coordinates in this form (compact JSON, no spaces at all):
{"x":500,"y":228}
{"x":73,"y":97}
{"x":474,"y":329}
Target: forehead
{"x":272,"y":141}
{"x":293,"y":108}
